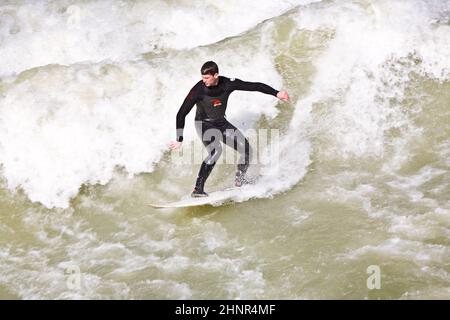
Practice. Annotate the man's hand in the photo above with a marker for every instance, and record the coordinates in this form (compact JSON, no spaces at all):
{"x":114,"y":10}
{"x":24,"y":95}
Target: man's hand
{"x":283,"y":95}
{"x":175,"y":145}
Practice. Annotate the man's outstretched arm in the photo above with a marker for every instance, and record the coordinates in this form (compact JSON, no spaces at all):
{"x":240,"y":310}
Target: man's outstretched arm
{"x":237,"y":84}
{"x":185,"y":108}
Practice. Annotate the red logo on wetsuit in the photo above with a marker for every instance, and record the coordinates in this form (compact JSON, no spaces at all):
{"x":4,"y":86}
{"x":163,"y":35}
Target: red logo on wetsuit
{"x":216,"y":103}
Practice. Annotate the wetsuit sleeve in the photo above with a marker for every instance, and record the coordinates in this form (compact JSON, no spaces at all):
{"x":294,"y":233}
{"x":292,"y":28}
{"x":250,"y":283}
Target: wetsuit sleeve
{"x":185,"y":108}
{"x":237,"y":84}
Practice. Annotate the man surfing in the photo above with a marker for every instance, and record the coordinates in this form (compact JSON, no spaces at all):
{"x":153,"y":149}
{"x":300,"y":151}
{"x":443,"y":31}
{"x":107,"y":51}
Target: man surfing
{"x":211,"y":96}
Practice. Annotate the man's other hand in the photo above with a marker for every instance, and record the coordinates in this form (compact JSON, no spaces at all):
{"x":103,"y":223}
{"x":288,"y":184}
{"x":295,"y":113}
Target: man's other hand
{"x":283,"y":95}
{"x":175,"y":145}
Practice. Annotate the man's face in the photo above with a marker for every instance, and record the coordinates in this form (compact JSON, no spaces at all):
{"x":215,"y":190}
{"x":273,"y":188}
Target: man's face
{"x":210,"y":80}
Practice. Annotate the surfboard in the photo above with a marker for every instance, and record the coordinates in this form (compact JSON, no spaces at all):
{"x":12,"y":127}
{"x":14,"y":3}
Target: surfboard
{"x":215,"y":198}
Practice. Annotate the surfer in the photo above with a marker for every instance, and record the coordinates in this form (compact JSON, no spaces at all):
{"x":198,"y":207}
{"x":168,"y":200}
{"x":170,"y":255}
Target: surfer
{"x":211,"y":96}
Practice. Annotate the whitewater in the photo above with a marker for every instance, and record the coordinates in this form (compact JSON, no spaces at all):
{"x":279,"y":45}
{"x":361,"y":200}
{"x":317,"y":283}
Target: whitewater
{"x":89,"y":91}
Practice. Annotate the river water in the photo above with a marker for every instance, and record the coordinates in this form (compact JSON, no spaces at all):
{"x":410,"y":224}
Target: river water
{"x":353,"y":205}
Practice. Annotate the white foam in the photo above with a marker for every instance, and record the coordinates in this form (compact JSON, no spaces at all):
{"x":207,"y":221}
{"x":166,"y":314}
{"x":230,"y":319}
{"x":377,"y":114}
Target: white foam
{"x":249,"y":284}
{"x":362,"y":73}
{"x":428,"y":226}
{"x":165,"y":288}
{"x":406,"y":250}
{"x":65,"y":32}
{"x":61,"y":127}
{"x":65,"y":126}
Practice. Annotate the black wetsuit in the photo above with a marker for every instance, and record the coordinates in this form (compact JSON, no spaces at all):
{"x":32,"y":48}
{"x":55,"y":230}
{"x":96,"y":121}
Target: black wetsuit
{"x":211,"y":123}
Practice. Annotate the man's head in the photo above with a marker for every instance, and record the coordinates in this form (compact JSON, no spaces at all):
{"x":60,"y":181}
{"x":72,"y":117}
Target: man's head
{"x":210,"y":73}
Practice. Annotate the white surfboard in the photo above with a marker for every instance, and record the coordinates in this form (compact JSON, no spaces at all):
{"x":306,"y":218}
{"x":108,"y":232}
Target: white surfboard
{"x":215,"y":198}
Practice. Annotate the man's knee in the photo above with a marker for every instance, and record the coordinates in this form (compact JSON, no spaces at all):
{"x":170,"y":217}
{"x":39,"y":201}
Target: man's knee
{"x":214,"y":150}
